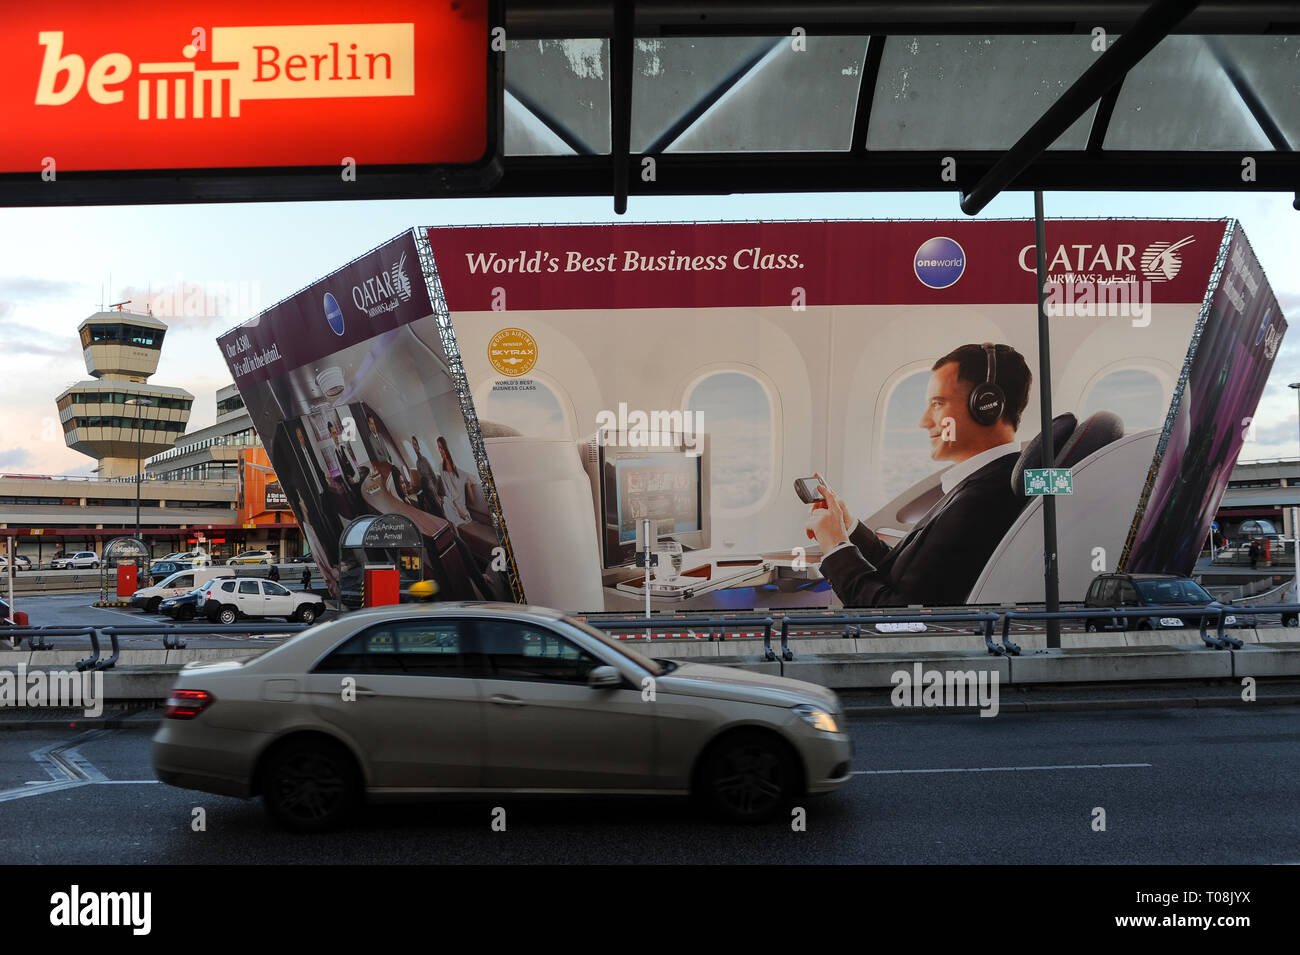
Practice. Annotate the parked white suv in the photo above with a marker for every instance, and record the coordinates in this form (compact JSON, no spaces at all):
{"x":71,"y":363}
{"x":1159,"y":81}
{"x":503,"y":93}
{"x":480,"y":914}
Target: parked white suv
{"x":79,"y":560}
{"x":255,"y":597}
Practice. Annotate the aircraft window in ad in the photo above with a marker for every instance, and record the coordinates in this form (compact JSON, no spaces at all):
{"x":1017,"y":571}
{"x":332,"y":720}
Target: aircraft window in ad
{"x":738,"y":416}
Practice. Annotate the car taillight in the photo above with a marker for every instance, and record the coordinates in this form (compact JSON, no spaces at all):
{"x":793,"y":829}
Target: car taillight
{"x":187,"y":704}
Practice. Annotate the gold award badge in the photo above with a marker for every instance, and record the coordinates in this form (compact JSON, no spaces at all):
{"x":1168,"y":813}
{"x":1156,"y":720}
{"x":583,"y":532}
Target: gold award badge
{"x":512,"y":352}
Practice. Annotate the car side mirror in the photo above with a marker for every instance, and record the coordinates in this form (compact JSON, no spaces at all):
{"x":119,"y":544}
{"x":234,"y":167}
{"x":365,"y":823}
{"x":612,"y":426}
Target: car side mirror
{"x":604,"y":678}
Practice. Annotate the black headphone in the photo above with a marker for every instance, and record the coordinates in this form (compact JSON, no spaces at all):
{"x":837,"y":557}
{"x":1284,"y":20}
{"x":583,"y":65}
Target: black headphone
{"x":987,"y":402}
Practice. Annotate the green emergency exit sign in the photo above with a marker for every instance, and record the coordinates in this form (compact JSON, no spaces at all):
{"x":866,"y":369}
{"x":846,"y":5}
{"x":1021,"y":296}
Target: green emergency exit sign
{"x":1048,"y":481}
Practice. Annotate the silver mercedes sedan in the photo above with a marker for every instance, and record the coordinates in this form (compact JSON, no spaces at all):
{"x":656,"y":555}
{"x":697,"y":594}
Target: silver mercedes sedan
{"x":426,"y":700}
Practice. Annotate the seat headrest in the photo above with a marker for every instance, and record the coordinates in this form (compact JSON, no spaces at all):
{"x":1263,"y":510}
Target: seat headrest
{"x":1095,"y":432}
{"x":1063,"y":426}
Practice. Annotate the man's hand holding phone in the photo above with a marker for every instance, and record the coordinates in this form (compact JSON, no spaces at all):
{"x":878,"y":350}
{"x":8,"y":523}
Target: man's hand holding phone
{"x":830,"y":522}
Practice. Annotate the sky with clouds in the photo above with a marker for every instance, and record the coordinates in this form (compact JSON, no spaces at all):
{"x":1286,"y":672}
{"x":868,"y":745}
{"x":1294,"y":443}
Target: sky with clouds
{"x":215,"y":265}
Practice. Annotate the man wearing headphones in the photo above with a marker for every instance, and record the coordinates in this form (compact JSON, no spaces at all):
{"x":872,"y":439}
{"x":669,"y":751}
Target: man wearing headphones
{"x":973,"y":406}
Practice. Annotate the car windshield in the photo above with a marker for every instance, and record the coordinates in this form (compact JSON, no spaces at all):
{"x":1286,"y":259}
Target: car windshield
{"x":653,"y":666}
{"x":1174,"y":591}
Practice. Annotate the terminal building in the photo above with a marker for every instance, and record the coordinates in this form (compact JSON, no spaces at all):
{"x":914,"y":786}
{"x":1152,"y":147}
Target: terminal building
{"x":213,"y":487}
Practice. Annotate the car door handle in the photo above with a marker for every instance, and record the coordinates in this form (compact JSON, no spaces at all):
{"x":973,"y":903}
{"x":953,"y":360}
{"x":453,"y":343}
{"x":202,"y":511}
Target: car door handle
{"x":506,"y":700}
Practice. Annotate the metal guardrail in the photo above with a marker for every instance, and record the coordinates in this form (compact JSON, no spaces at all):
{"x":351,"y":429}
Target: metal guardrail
{"x":171,"y":634}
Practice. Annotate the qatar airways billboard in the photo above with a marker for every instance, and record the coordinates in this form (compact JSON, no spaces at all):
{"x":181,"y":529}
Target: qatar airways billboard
{"x":136,"y":91}
{"x":353,"y":394}
{"x":690,"y":375}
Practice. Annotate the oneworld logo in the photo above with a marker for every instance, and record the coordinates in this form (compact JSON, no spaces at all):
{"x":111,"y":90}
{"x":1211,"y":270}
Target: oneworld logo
{"x":383,"y":291}
{"x":1161,"y":261}
{"x":939,"y":262}
{"x":333,"y":313}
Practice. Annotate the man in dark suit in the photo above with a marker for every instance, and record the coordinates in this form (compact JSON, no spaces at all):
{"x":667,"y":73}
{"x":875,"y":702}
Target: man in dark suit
{"x":973,"y":406}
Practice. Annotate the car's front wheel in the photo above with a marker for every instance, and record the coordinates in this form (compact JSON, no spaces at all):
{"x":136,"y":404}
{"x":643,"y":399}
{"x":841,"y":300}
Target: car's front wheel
{"x":310,"y":786}
{"x":747,"y":777}
{"x":1091,"y":626}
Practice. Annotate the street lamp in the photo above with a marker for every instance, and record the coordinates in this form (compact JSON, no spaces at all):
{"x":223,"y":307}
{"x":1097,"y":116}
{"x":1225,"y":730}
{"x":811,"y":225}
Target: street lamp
{"x":139,"y":435}
{"x":1295,"y":527}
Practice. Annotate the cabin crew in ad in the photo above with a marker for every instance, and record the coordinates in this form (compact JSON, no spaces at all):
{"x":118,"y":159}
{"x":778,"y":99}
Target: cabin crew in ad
{"x":974,"y":402}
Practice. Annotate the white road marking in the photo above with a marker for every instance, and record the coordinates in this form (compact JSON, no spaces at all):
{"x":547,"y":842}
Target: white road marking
{"x":67,"y":768}
{"x":999,"y":769}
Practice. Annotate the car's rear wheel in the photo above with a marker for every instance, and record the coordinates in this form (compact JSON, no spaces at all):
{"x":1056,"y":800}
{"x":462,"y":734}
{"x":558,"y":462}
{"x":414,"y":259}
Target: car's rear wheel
{"x":307,"y":613}
{"x":227,"y":615}
{"x":747,"y":777}
{"x":1092,"y":626}
{"x":310,"y":786}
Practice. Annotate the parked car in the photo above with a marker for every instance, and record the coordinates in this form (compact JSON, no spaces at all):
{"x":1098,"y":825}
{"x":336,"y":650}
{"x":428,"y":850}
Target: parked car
{"x":20,"y":563}
{"x":1146,"y":590}
{"x":149,"y":599}
{"x":80,"y":561}
{"x":257,"y":597}
{"x":188,"y":605}
{"x":162,"y":569}
{"x":491,"y":699}
{"x":253,"y":557}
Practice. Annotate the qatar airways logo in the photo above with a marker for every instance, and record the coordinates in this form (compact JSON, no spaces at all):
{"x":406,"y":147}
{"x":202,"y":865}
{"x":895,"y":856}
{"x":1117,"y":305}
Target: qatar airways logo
{"x":315,"y":61}
{"x":1159,"y":262}
{"x":383,"y":291}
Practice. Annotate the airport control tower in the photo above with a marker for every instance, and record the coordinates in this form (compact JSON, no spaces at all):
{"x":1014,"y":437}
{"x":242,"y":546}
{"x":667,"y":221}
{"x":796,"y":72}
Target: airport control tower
{"x":119,"y":418}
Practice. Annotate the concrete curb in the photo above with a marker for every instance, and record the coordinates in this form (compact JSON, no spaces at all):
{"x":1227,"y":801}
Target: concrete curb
{"x":1073,"y":706}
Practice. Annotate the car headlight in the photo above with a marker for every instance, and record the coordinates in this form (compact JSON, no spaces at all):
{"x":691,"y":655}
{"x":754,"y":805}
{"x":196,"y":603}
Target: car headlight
{"x":817,"y":718}
{"x":1171,"y":622}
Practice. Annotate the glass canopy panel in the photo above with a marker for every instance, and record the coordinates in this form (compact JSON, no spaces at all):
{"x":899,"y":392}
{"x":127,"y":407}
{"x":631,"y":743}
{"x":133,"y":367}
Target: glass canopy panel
{"x":527,"y":135}
{"x":974,"y":92}
{"x":564,"y":84}
{"x":1269,"y":67}
{"x":719,"y":94}
{"x":1180,"y":98}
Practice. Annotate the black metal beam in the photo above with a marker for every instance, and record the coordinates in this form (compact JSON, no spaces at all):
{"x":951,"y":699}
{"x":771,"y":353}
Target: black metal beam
{"x":867,"y":92}
{"x":1101,"y":119}
{"x":1111,"y":67}
{"x":620,"y":99}
{"x":551,"y":19}
{"x":692,"y":174}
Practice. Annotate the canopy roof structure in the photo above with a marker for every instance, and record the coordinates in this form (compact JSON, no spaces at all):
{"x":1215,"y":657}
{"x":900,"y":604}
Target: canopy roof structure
{"x":867,"y":95}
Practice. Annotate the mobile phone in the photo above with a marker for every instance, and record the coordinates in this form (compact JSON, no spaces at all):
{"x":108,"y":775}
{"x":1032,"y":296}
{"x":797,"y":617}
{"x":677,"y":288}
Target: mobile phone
{"x":808,"y":489}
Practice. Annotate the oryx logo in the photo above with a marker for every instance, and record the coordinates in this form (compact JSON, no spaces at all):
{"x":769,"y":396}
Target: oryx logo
{"x":1161,"y":261}
{"x":333,"y":314}
{"x":939,"y":262}
{"x":383,"y":291}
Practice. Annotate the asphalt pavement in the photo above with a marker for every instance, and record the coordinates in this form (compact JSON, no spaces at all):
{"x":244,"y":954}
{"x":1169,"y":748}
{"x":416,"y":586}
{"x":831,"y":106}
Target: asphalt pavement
{"x":1176,"y":786}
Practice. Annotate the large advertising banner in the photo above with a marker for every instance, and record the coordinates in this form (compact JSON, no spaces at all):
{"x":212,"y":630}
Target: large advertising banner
{"x":352,"y":392}
{"x":696,"y":375}
{"x":1212,"y":416}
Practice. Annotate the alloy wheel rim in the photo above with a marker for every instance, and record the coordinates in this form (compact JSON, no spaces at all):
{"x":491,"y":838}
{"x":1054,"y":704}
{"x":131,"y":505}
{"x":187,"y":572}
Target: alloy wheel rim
{"x":751,"y":780}
{"x":309,"y":787}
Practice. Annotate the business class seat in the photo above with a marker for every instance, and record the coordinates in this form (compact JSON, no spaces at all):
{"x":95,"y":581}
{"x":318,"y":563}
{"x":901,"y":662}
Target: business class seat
{"x":1109,"y":470}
